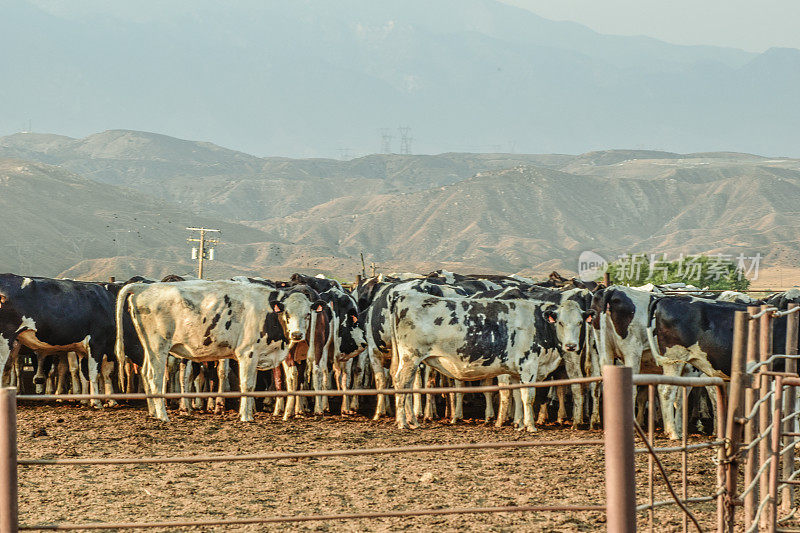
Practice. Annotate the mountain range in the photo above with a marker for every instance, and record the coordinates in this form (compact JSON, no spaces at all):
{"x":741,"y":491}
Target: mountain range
{"x":309,"y":78}
{"x":117,"y":203}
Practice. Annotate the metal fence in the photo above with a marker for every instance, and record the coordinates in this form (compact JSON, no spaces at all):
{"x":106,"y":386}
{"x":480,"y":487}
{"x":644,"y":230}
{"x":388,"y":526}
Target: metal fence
{"x":618,"y":442}
{"x":762,"y":421}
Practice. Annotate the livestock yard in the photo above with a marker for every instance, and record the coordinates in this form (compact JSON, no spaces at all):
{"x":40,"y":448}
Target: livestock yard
{"x":555,"y":443}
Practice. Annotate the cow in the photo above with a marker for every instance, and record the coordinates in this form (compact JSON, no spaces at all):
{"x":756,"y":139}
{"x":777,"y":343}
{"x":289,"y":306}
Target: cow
{"x":52,"y":316}
{"x":373,"y":297}
{"x":621,"y":319}
{"x":211,"y":320}
{"x":467,"y":339}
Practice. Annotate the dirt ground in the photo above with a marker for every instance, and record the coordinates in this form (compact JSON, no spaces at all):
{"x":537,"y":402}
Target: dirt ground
{"x":570,"y":475}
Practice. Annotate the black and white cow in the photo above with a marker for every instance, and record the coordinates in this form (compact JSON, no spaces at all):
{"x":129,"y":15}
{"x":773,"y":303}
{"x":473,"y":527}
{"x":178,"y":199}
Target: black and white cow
{"x":467,"y":339}
{"x":373,"y":299}
{"x":212,"y":320}
{"x":621,"y":320}
{"x":52,"y":316}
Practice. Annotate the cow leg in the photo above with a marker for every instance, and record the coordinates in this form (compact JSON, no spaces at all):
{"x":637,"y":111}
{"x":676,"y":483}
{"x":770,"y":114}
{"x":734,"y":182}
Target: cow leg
{"x":93,"y":367}
{"x":572,"y":365}
{"x":505,"y":401}
{"x":277,"y":380}
{"x":458,"y":404}
{"x":418,"y":410}
{"x":561,"y":393}
{"x":200,"y":380}
{"x":62,"y":368}
{"x":488,"y":411}
{"x":153,"y":376}
{"x":75,"y":373}
{"x":292,"y":377}
{"x":327,"y":385}
{"x":223,"y":385}
{"x":527,"y":410}
{"x":39,"y":378}
{"x":341,"y":381}
{"x":185,"y":373}
{"x":670,"y":401}
{"x":430,"y":399}
{"x":403,"y":379}
{"x":380,"y":384}
{"x":542,"y":417}
{"x":317,"y":382}
{"x":106,"y":369}
{"x":247,"y":383}
{"x":49,"y":383}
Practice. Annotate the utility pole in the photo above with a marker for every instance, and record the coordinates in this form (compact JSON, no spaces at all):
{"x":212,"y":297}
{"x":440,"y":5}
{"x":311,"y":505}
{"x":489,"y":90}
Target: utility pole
{"x":205,"y":250}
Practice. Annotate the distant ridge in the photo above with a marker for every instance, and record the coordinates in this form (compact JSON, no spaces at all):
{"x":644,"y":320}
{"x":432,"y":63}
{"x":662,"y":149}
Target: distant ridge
{"x":468,"y":212}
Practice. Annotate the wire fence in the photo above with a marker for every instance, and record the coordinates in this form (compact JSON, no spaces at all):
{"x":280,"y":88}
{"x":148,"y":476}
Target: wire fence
{"x":619,"y":450}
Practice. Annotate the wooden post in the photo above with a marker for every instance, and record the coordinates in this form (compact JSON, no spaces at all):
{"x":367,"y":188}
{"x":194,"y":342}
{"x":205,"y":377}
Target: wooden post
{"x":606,"y":279}
{"x":620,"y":465}
{"x":9,"y":488}
{"x":733,"y":427}
{"x":750,"y":427}
{"x":787,"y":496}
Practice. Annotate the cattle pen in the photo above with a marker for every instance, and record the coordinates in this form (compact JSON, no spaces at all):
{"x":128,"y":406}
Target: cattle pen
{"x":713,"y":504}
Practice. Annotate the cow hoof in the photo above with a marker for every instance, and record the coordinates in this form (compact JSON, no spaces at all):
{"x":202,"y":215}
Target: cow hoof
{"x":97,"y":405}
{"x":531,"y":429}
{"x":219,"y":410}
{"x":112,"y":403}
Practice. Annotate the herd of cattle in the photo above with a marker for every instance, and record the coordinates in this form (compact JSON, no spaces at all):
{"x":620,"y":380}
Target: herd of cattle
{"x":181,"y":334}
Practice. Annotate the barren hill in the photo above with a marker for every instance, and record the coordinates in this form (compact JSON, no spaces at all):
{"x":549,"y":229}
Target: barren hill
{"x":467,"y":212}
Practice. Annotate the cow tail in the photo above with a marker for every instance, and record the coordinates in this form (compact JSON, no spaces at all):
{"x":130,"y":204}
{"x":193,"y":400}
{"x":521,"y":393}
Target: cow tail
{"x":119,"y":345}
{"x":651,"y":326}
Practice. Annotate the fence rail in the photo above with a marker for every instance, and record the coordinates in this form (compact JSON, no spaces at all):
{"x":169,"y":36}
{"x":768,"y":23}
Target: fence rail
{"x":618,"y":441}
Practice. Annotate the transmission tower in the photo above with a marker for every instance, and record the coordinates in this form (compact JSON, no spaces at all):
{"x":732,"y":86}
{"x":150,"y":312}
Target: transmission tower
{"x":386,"y":141}
{"x":405,"y":139}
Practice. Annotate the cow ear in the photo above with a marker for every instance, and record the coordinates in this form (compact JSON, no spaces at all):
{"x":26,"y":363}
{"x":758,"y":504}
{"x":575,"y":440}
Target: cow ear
{"x":550,"y":316}
{"x":589,"y":316}
{"x":278,"y":307}
{"x":354,"y":318}
{"x":318,"y":306}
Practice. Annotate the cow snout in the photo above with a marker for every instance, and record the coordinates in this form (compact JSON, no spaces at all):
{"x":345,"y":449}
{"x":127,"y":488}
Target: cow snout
{"x":297,"y":336}
{"x":571,"y":346}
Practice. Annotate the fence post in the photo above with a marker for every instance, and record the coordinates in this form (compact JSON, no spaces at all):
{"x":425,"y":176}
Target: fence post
{"x":787,"y":497}
{"x":751,"y":426}
{"x":8,"y":461}
{"x":726,"y":510}
{"x":775,"y":456}
{"x":765,"y":410}
{"x":620,"y":466}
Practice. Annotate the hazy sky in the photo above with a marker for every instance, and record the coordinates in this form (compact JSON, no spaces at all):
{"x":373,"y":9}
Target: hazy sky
{"x":748,"y":24}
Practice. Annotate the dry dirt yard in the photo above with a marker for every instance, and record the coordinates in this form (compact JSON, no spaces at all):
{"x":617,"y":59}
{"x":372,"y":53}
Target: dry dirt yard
{"x":570,"y":475}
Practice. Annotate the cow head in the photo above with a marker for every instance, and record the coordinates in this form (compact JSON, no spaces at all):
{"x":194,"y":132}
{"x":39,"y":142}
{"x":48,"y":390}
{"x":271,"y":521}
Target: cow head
{"x":295,"y":315}
{"x":568,"y":319}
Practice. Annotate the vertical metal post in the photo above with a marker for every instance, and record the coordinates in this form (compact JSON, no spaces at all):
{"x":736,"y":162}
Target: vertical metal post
{"x":651,"y":429}
{"x":771,"y":512}
{"x":684,"y":458}
{"x":8,"y":461}
{"x":726,"y":507}
{"x":765,"y":410}
{"x":750,"y":428}
{"x":620,"y":466}
{"x":787,"y":496}
{"x":722,"y":462}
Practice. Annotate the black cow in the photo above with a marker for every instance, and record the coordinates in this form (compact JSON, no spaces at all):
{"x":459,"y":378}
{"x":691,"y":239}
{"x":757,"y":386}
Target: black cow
{"x":53,"y":316}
